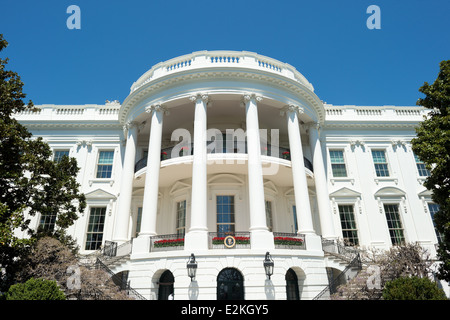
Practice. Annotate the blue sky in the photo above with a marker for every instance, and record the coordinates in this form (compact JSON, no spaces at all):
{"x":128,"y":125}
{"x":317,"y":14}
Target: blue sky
{"x":327,"y":41}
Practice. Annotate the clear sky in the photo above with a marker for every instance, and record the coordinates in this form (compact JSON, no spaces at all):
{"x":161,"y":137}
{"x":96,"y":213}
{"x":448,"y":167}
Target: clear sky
{"x":328,"y":41}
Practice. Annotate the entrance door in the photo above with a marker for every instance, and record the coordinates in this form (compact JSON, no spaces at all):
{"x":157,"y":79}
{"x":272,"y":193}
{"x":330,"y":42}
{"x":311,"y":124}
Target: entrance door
{"x":292,"y":285}
{"x":230,"y":285}
{"x":165,"y":285}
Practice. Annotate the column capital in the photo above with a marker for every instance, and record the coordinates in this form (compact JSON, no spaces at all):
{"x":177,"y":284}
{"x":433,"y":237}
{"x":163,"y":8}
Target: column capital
{"x":157,"y":107}
{"x":312,"y":125}
{"x":129,"y":125}
{"x":249,"y":96}
{"x":291,"y":108}
{"x":200,"y":96}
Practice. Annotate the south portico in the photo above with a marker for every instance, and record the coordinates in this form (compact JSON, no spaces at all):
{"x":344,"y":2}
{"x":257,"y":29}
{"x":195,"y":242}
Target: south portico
{"x":196,"y":237}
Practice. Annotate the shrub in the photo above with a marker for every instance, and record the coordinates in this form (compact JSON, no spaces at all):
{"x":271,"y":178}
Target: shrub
{"x":35,"y":289}
{"x":412,"y":288}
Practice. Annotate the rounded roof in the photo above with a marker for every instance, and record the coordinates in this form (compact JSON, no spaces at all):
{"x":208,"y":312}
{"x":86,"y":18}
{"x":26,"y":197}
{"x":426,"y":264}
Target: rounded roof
{"x":223,"y":59}
{"x":211,"y":71}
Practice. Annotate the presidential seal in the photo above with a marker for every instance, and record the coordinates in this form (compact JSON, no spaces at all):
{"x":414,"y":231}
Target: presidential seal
{"x":229,"y":242}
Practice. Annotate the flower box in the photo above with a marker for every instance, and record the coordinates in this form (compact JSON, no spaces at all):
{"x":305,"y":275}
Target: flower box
{"x":169,"y":243}
{"x":288,"y":241}
{"x":286,"y":155}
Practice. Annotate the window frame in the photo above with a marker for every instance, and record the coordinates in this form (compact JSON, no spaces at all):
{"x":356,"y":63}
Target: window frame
{"x":179,"y":228}
{"x":102,"y":232}
{"x":98,"y":164}
{"x":344,"y":163}
{"x":354,"y":230}
{"x":60,"y":150}
{"x":391,"y":230}
{"x":420,"y":166}
{"x":232,"y":221}
{"x":386,"y":163}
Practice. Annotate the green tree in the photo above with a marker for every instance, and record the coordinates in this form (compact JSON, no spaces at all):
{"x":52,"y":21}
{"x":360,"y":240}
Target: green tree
{"x":432,"y":146}
{"x":30,"y":181}
{"x":412,"y":288}
{"x":35,"y":289}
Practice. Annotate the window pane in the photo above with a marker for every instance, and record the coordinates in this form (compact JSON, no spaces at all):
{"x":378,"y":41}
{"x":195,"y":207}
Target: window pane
{"x":269,"y":219}
{"x":381,"y":166}
{"x":394,"y":223}
{"x":348,"y":224}
{"x":423,"y":171}
{"x":95,"y":228}
{"x":294,"y":210}
{"x":47,"y":222}
{"x":225,"y":215}
{"x":434,"y":208}
{"x":338,"y":163}
{"x":59,"y":154}
{"x":104,"y":166}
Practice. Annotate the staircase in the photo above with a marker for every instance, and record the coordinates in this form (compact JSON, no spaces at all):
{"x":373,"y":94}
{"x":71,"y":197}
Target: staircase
{"x":109,"y":258}
{"x":339,"y":255}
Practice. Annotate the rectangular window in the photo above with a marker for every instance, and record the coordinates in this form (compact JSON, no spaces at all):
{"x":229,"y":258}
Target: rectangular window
{"x":181,"y":218}
{"x":47,"y":222}
{"x":269,"y":219}
{"x":338,"y":163}
{"x":225,"y":215}
{"x":294,"y":211}
{"x":423,"y":171}
{"x":348,"y":224}
{"x":95,"y":228}
{"x":58,"y":154}
{"x":394,"y":224}
{"x":104,"y":164}
{"x":433,"y":207}
{"x":138,"y":221}
{"x":380,"y":162}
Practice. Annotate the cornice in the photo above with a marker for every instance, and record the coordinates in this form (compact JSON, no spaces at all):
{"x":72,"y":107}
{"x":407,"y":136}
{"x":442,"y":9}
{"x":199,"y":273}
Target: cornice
{"x":239,"y":74}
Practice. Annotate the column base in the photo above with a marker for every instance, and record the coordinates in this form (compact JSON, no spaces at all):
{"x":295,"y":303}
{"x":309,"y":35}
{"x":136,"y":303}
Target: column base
{"x":141,"y":245}
{"x":196,"y":240}
{"x":313,"y":242}
{"x":261,"y":240}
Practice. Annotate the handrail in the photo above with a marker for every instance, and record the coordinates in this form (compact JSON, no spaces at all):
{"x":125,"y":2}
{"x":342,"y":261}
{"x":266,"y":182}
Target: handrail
{"x":222,"y":59}
{"x":332,"y":287}
{"x":167,"y":153}
{"x":123,"y":286}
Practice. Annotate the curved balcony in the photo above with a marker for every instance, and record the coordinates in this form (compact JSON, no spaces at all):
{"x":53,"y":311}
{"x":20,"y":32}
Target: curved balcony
{"x":221,"y":59}
{"x":266,"y":150}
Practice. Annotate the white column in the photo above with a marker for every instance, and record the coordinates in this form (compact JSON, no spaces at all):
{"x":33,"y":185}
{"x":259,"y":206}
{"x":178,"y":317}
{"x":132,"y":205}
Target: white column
{"x":323,"y":197}
{"x":126,"y":185}
{"x":197,"y":237}
{"x":260,"y":235}
{"x":304,"y":217}
{"x":150,"y":205}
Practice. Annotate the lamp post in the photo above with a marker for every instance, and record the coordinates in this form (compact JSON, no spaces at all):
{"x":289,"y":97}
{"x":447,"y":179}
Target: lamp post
{"x":191,"y":267}
{"x":268,"y":265}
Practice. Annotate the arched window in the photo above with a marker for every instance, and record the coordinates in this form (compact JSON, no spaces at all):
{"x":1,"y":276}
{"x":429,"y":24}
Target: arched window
{"x":292,"y":285}
{"x":230,"y":285}
{"x":165,"y":285}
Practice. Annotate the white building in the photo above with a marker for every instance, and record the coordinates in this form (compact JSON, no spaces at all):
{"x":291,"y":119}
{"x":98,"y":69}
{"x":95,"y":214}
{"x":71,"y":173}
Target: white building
{"x":222,"y":143}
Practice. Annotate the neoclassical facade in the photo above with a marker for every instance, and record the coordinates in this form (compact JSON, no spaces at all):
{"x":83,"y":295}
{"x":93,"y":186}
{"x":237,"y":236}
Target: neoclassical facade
{"x":229,"y":156}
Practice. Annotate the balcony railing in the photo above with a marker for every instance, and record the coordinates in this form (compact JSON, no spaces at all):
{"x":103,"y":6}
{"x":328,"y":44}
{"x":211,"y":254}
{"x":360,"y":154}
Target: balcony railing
{"x":266,"y":150}
{"x":217,"y":240}
{"x":166,"y":242}
{"x":289,"y":241}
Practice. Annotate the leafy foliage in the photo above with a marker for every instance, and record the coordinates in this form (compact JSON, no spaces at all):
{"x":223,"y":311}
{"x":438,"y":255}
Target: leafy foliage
{"x":412,"y":288}
{"x":432,"y":146}
{"x":30,"y":181}
{"x":35,"y":289}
